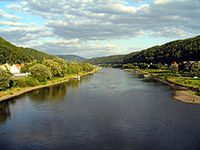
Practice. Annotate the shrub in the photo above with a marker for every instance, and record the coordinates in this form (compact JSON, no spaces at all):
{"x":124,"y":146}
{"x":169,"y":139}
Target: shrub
{"x":32,"y":81}
{"x":21,"y":82}
{"x":5,"y":78}
{"x":198,"y":92}
{"x":129,"y":66}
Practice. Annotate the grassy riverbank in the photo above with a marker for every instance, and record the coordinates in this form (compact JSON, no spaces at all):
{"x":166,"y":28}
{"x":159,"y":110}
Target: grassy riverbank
{"x":16,"y":91}
{"x":185,"y":88}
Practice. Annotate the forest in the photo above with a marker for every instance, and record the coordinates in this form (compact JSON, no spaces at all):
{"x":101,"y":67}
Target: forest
{"x":12,"y":54}
{"x":179,"y":51}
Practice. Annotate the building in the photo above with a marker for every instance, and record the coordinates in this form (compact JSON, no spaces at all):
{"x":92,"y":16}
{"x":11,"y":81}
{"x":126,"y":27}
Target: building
{"x":15,"y":69}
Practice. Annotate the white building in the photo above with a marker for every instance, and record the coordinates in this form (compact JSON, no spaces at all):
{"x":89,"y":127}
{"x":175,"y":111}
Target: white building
{"x":14,"y":69}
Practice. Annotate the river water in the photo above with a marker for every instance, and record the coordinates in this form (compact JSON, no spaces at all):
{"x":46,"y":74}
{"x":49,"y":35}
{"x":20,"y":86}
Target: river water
{"x":110,"y":110}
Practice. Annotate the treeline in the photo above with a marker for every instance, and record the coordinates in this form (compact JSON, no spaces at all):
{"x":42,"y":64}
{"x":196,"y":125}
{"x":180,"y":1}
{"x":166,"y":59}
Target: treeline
{"x":115,"y":59}
{"x":12,"y":54}
{"x":179,"y":51}
{"x":41,"y":72}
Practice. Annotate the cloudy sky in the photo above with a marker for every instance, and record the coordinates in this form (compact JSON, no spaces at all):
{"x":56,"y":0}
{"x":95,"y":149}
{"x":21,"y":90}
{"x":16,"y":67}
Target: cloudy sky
{"x":91,"y":28}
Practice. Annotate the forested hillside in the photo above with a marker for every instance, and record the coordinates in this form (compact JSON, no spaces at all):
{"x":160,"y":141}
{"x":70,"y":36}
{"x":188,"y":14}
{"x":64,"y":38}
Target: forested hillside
{"x":115,"y":59}
{"x":72,"y":58}
{"x":180,"y":50}
{"x":10,"y":53}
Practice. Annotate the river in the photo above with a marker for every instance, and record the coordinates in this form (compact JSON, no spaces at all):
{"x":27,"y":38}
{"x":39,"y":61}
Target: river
{"x":109,"y":110}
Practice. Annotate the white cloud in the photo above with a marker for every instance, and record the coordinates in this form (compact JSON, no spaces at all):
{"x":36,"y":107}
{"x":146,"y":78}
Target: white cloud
{"x":6,"y":15}
{"x":77,"y":23}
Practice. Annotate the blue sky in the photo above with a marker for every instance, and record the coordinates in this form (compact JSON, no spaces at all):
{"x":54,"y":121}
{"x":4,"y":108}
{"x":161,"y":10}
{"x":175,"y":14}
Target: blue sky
{"x":92,"y":28}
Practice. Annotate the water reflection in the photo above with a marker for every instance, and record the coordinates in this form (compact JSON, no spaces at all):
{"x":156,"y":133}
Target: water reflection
{"x":5,"y":113}
{"x":53,"y":93}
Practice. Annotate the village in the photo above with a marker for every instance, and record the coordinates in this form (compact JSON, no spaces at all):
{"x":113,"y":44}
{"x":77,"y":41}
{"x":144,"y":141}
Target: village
{"x":14,"y":69}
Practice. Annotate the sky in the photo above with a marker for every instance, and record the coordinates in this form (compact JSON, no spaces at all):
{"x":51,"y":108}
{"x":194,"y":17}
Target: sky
{"x":94,"y":28}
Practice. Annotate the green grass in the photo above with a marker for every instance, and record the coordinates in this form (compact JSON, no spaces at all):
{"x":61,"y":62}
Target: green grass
{"x":175,"y":78}
{"x":185,"y":81}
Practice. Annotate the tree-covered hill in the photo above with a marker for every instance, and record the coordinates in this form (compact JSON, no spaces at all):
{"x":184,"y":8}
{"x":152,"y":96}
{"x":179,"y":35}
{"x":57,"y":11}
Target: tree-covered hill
{"x":115,"y":59}
{"x":72,"y":58}
{"x":10,"y":53}
{"x":180,"y":50}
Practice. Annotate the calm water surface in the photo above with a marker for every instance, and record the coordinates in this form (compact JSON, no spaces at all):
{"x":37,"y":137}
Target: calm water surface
{"x":111,"y":109}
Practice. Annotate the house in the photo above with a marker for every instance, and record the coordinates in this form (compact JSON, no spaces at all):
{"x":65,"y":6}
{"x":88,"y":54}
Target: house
{"x":15,"y":69}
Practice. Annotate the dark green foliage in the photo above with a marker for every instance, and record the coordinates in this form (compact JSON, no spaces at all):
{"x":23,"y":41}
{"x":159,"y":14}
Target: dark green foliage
{"x":116,"y":59}
{"x":179,"y":51}
{"x":196,"y":68}
{"x":129,"y":66}
{"x":5,"y":78}
{"x":21,"y":82}
{"x":198,"y":92}
{"x":72,"y":58}
{"x":41,"y":72}
{"x":24,"y":82}
{"x":32,"y":81}
{"x":11,"y":54}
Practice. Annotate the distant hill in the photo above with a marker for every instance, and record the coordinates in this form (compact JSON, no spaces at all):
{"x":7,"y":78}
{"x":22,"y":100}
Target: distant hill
{"x":179,"y":50}
{"x":114,"y":59}
{"x":10,"y":53}
{"x":72,"y":58}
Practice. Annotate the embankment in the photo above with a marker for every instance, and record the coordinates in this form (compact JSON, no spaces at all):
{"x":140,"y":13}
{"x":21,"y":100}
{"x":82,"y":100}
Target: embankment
{"x":16,"y":91}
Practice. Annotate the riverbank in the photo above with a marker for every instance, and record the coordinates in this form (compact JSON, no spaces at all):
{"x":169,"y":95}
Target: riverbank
{"x":17,"y":91}
{"x":186,"y":94}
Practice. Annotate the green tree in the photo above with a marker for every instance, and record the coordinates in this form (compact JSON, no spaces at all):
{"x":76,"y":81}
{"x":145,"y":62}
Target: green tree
{"x":174,"y":67}
{"x":41,"y":72}
{"x":55,"y":68}
{"x":63,"y":64}
{"x":86,"y":67}
{"x":196,"y":68}
{"x":5,"y":78}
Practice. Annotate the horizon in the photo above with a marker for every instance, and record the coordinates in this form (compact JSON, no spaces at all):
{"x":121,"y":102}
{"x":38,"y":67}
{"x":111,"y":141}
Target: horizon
{"x":97,"y":28}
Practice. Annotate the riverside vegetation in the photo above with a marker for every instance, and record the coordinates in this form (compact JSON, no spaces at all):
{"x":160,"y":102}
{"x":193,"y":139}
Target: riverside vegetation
{"x":47,"y":72}
{"x":43,"y":69}
{"x":176,"y":62}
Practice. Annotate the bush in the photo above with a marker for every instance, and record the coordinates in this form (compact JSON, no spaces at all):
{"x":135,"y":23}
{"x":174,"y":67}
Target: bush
{"x":129,"y":66}
{"x":196,"y":68}
{"x":87,"y":67}
{"x":32,"y":82}
{"x":21,"y":82}
{"x":198,"y":92}
{"x":74,"y":68}
{"x":5,"y":78}
{"x":153,"y":66}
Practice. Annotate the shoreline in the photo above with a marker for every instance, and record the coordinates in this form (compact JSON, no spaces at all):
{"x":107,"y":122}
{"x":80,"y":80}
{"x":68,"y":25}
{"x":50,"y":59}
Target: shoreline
{"x":14,"y":92}
{"x":179,"y":93}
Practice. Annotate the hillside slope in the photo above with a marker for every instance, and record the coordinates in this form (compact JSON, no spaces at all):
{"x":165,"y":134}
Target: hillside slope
{"x":10,"y":53}
{"x":180,"y":50}
{"x":72,"y":58}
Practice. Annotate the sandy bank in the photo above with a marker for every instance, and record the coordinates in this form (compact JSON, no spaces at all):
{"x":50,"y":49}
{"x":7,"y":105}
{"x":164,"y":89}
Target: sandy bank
{"x":179,"y":93}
